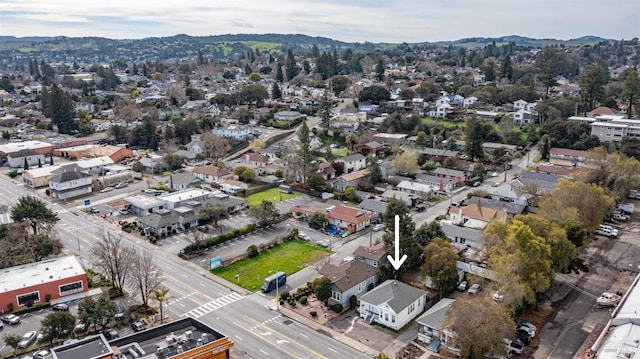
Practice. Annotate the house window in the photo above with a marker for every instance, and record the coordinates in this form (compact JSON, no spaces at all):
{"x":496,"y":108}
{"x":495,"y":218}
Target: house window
{"x":335,"y":295}
{"x":386,"y":317}
{"x":411,"y":308}
{"x":362,"y":286}
{"x":71,"y":288}
{"x":393,"y":318}
{"x":28,"y":299}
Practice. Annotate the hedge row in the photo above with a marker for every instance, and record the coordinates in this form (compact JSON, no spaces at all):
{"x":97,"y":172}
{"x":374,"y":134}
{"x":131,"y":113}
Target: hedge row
{"x":196,"y":248}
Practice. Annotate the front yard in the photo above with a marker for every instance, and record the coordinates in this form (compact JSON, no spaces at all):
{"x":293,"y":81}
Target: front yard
{"x":269,"y":195}
{"x":288,"y":257}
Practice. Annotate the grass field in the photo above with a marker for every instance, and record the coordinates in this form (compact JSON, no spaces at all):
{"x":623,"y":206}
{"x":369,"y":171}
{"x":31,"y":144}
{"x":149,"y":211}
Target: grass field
{"x":340,"y":152}
{"x":442,"y":122}
{"x":288,"y":257}
{"x":268,"y":195}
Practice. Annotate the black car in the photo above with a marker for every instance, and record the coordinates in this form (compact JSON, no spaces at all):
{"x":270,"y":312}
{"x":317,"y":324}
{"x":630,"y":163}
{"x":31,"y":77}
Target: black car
{"x":138,"y":326}
{"x":111,"y":334}
{"x":61,"y":307}
{"x":314,"y":225}
{"x":420,"y":208}
{"x":524,"y":336}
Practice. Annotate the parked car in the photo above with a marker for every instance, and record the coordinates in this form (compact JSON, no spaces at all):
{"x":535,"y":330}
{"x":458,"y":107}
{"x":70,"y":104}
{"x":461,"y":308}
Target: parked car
{"x":61,"y":307}
{"x":123,"y":211}
{"x":42,"y":354}
{"x":106,"y":189}
{"x":121,"y":185}
{"x":80,"y":326}
{"x":322,"y":243}
{"x":420,"y":208}
{"x":476,"y":184}
{"x":514,"y":346}
{"x":111,"y":334}
{"x":314,"y":225}
{"x":138,"y":326}
{"x":122,"y":222}
{"x":94,"y":210}
{"x":11,"y":319}
{"x":463,"y":286}
{"x":27,"y":339}
{"x":620,"y":217}
{"x":497,"y":296}
{"x":378,"y":227}
{"x":476,"y":288}
{"x":304,"y":236}
{"x":524,"y":336}
{"x":120,"y":313}
{"x":527,"y":326}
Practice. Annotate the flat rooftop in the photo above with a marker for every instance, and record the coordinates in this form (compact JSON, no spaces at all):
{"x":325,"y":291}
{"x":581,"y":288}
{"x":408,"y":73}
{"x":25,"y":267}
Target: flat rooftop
{"x":189,"y":193}
{"x":31,"y":274}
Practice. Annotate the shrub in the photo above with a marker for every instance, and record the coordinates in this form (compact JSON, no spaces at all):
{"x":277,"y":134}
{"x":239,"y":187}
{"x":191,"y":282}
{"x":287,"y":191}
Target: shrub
{"x":337,"y":308}
{"x":353,"y":301}
{"x":313,"y":313}
{"x":252,"y":251}
{"x":10,"y":307}
{"x":284,"y":294}
{"x":303,"y":299}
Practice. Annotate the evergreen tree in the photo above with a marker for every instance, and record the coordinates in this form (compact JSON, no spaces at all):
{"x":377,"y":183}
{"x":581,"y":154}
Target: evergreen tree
{"x":291,"y":70}
{"x":58,"y":105}
{"x":275,"y":91}
{"x":324,"y":109}
{"x":305,"y":148}
{"x":592,"y":84}
{"x":380,"y":70}
{"x":631,"y":91}
{"x":279,"y":74}
{"x":506,"y":70}
{"x":474,"y":133}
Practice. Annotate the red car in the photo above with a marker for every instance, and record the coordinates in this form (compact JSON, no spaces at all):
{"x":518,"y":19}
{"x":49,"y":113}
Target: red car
{"x":122,"y":222}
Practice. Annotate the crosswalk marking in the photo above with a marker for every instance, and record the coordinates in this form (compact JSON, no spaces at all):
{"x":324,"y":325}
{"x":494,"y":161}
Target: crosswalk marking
{"x":213,"y":305}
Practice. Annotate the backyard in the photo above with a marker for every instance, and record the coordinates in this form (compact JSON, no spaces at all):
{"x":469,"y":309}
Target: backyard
{"x":288,"y":257}
{"x":269,"y":195}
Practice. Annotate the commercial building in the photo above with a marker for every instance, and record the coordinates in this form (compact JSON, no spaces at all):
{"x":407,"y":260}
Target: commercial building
{"x":57,"y":279}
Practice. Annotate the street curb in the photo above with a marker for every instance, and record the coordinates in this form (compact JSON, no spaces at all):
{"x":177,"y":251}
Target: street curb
{"x":322,"y":329}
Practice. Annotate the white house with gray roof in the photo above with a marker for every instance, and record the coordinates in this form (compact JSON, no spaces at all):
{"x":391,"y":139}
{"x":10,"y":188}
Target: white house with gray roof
{"x":420,"y":190}
{"x":353,"y":163}
{"x":430,"y":324}
{"x":464,"y":235}
{"x":70,"y":181}
{"x":392,"y":304}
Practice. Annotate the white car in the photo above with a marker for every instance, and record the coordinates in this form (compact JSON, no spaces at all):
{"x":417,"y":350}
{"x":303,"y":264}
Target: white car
{"x":476,"y":288}
{"x":497,"y":296}
{"x":27,"y":339}
{"x":527,"y":326}
{"x":304,"y":236}
{"x":106,"y":189}
{"x":378,"y":227}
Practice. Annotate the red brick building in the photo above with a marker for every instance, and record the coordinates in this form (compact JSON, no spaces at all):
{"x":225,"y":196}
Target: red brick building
{"x":57,"y":279}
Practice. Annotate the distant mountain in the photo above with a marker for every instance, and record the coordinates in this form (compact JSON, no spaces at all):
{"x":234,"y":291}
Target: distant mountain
{"x":523,"y":41}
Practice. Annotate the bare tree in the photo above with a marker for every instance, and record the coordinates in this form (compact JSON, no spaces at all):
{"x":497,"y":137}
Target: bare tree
{"x":215,"y":147}
{"x":196,"y":237}
{"x":128,"y":111}
{"x":113,"y":258}
{"x":145,"y":274}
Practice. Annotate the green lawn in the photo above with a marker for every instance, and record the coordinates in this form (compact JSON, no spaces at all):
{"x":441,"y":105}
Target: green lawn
{"x":269,"y":195}
{"x":340,"y":152}
{"x":288,"y":257}
{"x":443,"y":122}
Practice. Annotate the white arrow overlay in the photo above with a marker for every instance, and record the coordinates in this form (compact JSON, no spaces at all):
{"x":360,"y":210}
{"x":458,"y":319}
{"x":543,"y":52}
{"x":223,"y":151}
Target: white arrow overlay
{"x":395,"y":261}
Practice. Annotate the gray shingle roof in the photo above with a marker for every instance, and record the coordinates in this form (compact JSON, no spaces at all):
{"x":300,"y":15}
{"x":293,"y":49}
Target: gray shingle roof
{"x":349,"y":274}
{"x":435,"y":316}
{"x":395,"y":293}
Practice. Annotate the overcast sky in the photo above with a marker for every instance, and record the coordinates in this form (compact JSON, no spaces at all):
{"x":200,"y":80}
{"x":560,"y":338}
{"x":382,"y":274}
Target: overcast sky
{"x":346,"y":20}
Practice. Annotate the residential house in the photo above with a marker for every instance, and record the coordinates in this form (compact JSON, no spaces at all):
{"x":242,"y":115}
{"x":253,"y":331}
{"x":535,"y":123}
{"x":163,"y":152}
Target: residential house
{"x":349,"y":218}
{"x":602,"y":111}
{"x":374,"y":256}
{"x":431,"y":323}
{"x":153,"y":165}
{"x":545,"y":183}
{"x":326,"y":170}
{"x":184,"y":180}
{"x":573,"y":158}
{"x":439,"y":155}
{"x":231,"y":186}
{"x":38,"y":177}
{"x":468,"y":236}
{"x":352,"y":179}
{"x":475,"y":215}
{"x":407,"y":198}
{"x":210,"y":173}
{"x":522,"y":117}
{"x":374,"y":206}
{"x":417,"y":189}
{"x":353,"y":163}
{"x":70,"y":181}
{"x":372,"y":147}
{"x":289,"y":116}
{"x":390,"y":139}
{"x":17,"y":159}
{"x":439,"y":182}
{"x":488,"y":116}
{"x":457,"y":176}
{"x":196,"y":145}
{"x":368,"y":108}
{"x":239,"y":132}
{"x":392,"y":304}
{"x":351,"y":278}
{"x":347,"y":120}
{"x":256,"y":161}
{"x":469,"y":102}
{"x":506,"y":192}
{"x":520,"y":105}
{"x":441,"y":111}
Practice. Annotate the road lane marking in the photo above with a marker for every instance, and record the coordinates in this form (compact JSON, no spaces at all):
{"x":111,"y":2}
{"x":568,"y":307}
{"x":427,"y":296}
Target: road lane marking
{"x":263,"y":352}
{"x":333,"y":350}
{"x":276,"y":347}
{"x":213,"y":305}
{"x":287,"y":337}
